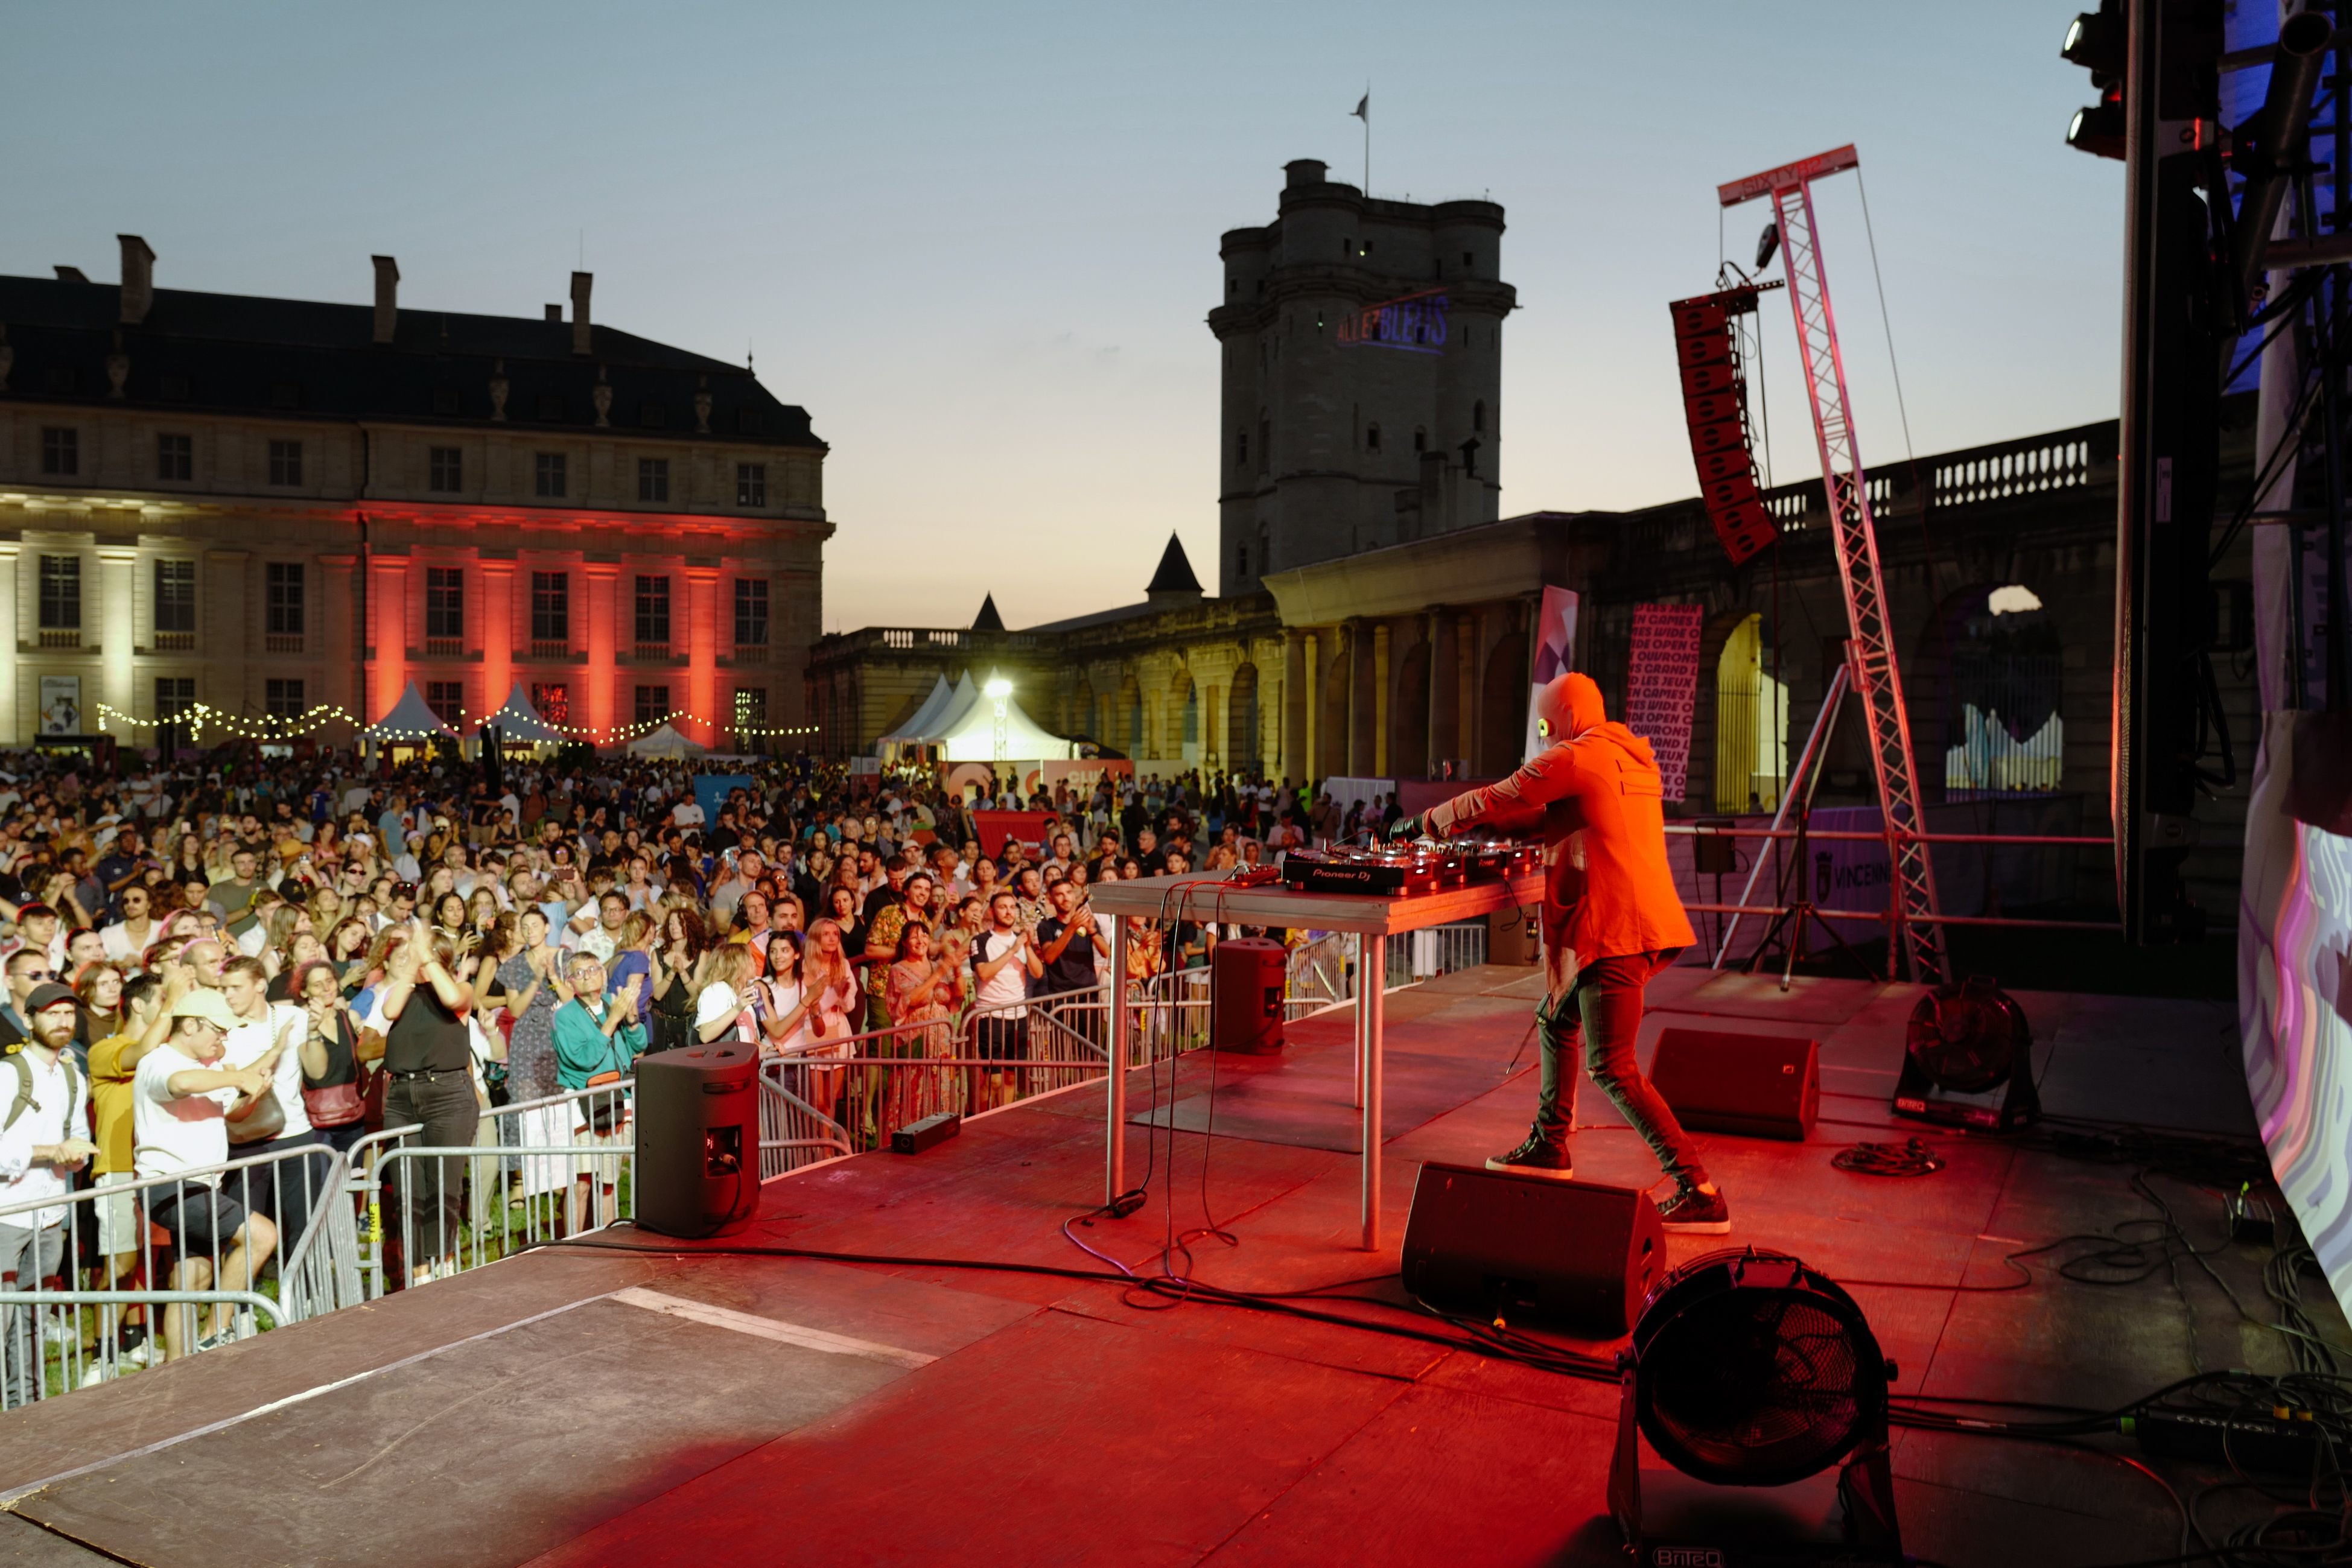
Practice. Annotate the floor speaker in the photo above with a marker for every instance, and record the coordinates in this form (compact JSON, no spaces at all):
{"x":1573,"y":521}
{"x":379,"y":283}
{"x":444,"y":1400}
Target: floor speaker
{"x":1578,"y":1256}
{"x":696,"y":1172}
{"x":1247,"y":979}
{"x":1754,"y":1085}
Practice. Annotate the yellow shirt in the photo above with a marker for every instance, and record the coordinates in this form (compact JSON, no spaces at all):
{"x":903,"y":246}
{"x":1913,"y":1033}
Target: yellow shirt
{"x":110,"y":1103}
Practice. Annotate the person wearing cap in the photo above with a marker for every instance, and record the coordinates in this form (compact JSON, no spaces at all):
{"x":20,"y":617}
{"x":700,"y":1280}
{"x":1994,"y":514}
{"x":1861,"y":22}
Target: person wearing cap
{"x":46,"y":1139}
{"x":182,"y":1094}
{"x":1612,"y":920}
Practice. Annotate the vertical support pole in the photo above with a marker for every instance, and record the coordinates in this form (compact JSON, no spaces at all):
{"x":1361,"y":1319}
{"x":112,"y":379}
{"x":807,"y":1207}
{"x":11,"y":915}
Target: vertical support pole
{"x":1371,"y":1006}
{"x":1115,"y":1086}
{"x":1363,"y":947}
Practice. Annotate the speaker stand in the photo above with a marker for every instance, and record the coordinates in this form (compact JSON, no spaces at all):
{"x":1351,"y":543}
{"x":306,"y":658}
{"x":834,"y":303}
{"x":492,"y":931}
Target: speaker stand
{"x":1787,"y":927}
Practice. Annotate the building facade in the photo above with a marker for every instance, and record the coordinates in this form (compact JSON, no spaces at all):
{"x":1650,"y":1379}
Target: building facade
{"x":1363,"y":350}
{"x":274,"y":508}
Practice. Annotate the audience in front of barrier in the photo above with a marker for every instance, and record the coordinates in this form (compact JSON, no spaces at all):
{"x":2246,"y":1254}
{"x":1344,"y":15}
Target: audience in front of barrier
{"x":44,"y":1139}
{"x":428,"y":1058}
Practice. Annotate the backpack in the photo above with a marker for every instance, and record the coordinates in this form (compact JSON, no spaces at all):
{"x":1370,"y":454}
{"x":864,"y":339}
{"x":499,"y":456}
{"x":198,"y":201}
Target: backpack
{"x":24,"y":1099}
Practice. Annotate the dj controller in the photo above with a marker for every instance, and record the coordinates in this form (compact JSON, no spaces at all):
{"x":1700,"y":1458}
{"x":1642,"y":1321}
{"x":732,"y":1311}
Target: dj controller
{"x":1407,"y":868}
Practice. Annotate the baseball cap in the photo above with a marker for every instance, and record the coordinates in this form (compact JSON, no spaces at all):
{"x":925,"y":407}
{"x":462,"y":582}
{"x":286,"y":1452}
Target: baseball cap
{"x":48,"y":995}
{"x":204,"y":1005}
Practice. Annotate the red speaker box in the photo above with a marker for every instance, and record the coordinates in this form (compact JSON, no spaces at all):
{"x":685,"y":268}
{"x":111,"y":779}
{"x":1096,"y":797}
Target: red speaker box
{"x":1487,"y":1244}
{"x":1755,"y":1085}
{"x":1246,"y":984}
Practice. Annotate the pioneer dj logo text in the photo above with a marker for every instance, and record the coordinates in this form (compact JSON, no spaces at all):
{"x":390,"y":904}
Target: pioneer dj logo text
{"x":1686,"y":1557}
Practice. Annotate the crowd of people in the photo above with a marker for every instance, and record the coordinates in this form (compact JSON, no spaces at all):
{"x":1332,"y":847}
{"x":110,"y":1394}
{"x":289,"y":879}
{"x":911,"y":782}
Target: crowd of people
{"x":263,"y":955}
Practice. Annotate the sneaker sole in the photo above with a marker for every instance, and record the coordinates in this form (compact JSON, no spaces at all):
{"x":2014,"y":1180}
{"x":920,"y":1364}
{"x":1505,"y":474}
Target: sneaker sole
{"x":1700,"y":1226}
{"x":1546,"y":1172}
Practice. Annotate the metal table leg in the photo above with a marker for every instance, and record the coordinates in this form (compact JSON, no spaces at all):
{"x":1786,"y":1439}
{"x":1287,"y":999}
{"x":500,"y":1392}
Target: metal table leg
{"x":1371,"y":1007}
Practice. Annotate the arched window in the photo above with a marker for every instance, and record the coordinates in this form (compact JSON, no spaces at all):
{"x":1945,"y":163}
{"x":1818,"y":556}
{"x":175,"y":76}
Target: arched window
{"x":1420,"y":439}
{"x":2006,"y":672}
{"x":1751,"y":725}
{"x":1265,"y":440}
{"x":1372,"y":437}
{"x":1478,"y":416}
{"x":1241,"y":447}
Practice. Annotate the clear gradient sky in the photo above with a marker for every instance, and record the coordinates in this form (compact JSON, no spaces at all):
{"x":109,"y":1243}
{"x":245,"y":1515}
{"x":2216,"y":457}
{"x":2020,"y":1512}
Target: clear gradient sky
{"x":978,"y":242}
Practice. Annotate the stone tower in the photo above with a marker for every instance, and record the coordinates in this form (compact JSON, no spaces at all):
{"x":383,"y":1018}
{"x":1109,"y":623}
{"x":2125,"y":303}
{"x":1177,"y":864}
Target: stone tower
{"x":1363,"y":350}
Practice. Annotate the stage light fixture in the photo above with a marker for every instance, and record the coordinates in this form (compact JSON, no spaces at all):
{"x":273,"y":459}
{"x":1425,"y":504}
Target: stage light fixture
{"x":1964,"y":1041}
{"x":2094,"y":40}
{"x":1750,"y":1369}
{"x":1768,"y":246}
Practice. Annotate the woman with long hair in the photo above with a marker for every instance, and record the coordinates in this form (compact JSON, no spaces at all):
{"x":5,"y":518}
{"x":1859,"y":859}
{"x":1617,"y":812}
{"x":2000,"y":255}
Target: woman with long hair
{"x":674,"y":958}
{"x":99,"y":989}
{"x":302,"y":947}
{"x":530,"y":981}
{"x":841,"y":908}
{"x":722,"y":1004}
{"x":912,"y":997}
{"x":333,"y":1084}
{"x":830,"y":986}
{"x":347,"y":949}
{"x":633,"y":956}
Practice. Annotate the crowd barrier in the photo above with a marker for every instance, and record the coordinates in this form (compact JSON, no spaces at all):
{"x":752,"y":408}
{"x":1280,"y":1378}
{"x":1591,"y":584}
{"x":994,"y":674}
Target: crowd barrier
{"x":338,"y":1228}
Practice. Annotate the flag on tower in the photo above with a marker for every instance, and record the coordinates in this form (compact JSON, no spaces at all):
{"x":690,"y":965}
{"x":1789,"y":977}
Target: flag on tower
{"x":1363,"y":110}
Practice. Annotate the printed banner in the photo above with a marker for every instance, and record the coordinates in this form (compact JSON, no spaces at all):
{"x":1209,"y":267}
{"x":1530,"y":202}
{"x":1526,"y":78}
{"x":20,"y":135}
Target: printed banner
{"x":1555,"y":651}
{"x":1662,"y":686}
{"x":61,"y":705}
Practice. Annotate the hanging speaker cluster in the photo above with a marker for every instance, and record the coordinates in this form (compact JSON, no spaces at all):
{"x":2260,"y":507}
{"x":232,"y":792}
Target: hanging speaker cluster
{"x":1715,"y":401}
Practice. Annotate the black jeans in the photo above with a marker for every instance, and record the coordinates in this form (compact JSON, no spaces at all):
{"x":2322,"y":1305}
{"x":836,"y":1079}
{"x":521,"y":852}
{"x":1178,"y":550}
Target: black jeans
{"x":1606,"y":1000}
{"x":432,"y":1191}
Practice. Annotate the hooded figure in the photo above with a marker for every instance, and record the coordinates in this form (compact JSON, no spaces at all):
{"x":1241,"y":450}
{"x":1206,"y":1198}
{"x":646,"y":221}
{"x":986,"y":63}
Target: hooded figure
{"x":1612,"y":920}
{"x":1595,"y":797}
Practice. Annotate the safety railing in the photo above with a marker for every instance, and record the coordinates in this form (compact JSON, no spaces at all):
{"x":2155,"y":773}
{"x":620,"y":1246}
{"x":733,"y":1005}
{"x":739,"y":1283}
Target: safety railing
{"x":163,"y":1267}
{"x":853,"y":1092}
{"x":536,"y":1171}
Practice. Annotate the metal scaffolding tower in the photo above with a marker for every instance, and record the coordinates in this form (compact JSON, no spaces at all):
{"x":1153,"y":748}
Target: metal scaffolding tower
{"x":1871,"y":654}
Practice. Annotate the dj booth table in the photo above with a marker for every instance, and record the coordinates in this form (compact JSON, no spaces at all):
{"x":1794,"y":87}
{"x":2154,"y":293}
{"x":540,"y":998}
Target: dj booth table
{"x":1372,"y":919}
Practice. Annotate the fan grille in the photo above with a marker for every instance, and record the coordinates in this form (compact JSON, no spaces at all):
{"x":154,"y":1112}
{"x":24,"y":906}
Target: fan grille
{"x":1964,"y":1037}
{"x":1754,"y":1386}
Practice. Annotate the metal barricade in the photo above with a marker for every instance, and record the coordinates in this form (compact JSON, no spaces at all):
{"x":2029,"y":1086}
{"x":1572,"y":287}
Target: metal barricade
{"x":535,"y":1171}
{"x":199,"y":1256}
{"x":794,"y":1133}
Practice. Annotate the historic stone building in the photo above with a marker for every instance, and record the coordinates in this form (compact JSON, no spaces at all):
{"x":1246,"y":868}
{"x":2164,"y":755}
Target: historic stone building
{"x":272,"y":506}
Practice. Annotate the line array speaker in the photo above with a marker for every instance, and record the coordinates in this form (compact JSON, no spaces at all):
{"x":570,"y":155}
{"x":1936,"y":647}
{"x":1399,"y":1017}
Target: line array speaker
{"x":1715,"y":402}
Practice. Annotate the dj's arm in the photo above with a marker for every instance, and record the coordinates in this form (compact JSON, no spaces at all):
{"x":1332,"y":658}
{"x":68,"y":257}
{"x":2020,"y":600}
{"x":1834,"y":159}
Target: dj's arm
{"x":1514,"y":806}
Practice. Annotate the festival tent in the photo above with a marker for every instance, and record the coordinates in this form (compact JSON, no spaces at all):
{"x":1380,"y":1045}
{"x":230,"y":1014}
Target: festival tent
{"x":913,"y":732}
{"x":969,"y":734}
{"x":936,"y":727}
{"x":665,"y":742}
{"x":410,"y":721}
{"x":519,"y":722}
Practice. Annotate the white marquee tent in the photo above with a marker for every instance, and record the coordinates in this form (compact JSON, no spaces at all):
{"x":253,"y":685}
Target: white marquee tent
{"x":519,"y":722}
{"x":665,"y":742}
{"x":409,"y":721}
{"x":912,"y":732}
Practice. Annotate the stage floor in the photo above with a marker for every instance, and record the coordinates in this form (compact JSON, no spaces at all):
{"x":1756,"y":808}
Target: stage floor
{"x":569,"y":1407}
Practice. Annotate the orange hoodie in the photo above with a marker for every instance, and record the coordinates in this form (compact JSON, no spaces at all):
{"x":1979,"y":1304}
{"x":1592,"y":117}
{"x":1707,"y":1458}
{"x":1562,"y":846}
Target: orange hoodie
{"x":1596,"y":801}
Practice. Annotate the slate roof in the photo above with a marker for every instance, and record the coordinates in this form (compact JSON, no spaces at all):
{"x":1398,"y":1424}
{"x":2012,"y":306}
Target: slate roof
{"x":299,"y":359}
{"x":1175,"y":573}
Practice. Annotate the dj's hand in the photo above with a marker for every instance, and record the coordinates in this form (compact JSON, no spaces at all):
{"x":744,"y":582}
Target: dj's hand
{"x":1405,"y":826}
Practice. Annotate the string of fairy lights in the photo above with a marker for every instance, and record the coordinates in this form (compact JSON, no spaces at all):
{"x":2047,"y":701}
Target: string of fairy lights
{"x":280,"y":729}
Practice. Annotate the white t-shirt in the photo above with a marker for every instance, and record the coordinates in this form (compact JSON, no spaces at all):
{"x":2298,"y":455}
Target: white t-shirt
{"x":719,"y":1001}
{"x":171,"y":1134}
{"x":782,"y":997}
{"x":1004,"y":991}
{"x":687,"y":813}
{"x":52,"y":1118}
{"x":249,"y":1042}
{"x":119,"y":943}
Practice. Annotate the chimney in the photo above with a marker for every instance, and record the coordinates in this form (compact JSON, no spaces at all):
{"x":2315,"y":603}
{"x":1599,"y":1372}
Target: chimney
{"x":579,"y":282}
{"x":138,"y":279}
{"x":555,"y":312}
{"x":71,"y":274}
{"x":387,"y":297}
{"x":1301,"y":172}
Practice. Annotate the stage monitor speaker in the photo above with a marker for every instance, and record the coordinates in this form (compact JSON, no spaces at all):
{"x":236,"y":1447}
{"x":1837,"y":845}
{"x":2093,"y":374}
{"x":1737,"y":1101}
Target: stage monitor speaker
{"x":1715,"y":406}
{"x":1754,"y":1085}
{"x":697,"y":1155}
{"x":1514,"y":936}
{"x":1245,"y":983}
{"x":1486,"y":1244}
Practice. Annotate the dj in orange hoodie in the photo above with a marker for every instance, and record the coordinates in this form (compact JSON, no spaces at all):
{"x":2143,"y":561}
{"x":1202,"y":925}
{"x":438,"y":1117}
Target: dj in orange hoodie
{"x":1610,"y":920}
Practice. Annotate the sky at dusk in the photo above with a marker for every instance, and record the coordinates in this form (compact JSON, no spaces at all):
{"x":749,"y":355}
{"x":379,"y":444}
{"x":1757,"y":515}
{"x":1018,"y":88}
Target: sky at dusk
{"x":979,"y":242}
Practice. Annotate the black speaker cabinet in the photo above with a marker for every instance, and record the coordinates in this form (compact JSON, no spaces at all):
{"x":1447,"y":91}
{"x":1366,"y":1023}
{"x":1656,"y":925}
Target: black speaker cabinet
{"x":1578,"y":1256}
{"x":1754,"y":1085}
{"x":1247,"y":980}
{"x":697,"y":1155}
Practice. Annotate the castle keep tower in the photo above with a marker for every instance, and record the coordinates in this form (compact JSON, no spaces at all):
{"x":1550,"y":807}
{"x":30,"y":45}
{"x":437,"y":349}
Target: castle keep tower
{"x":1363,"y":349}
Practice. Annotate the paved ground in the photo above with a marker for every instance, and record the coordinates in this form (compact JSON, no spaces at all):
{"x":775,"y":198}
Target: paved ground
{"x":570,"y":1408}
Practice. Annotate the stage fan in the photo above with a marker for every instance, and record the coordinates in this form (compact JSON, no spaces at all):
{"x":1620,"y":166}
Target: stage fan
{"x":1749,"y":1369}
{"x":1967,"y":1039}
